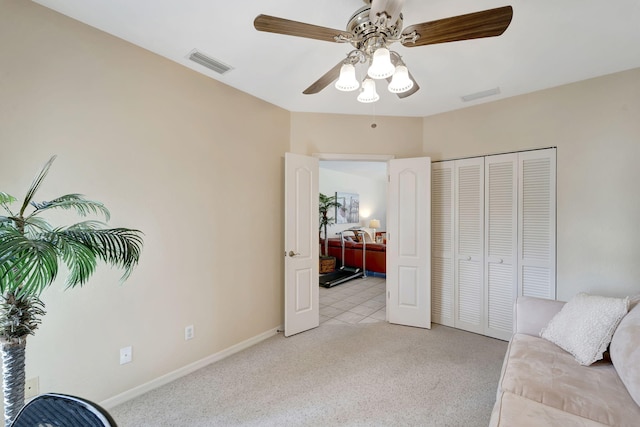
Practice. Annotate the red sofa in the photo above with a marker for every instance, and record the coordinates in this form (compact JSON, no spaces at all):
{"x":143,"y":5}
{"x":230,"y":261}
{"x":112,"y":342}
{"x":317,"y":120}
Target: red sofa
{"x":376,"y":255}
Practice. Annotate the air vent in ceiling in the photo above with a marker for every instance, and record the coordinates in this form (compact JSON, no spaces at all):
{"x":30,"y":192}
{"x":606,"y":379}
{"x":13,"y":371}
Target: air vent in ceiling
{"x":209,"y":62}
{"x":483,"y":94}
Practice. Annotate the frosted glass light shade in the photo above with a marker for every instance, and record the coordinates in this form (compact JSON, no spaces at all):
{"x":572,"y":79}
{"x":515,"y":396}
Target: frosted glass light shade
{"x":368,"y":93}
{"x":381,"y":66}
{"x":400,"y":82}
{"x":347,"y":81}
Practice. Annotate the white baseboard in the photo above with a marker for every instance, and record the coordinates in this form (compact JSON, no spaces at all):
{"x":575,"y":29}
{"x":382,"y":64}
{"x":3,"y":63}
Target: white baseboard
{"x":185,"y":370}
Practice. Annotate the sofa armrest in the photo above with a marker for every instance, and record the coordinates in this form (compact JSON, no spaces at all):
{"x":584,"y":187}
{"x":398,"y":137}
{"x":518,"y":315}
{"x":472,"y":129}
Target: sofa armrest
{"x":532,"y":314}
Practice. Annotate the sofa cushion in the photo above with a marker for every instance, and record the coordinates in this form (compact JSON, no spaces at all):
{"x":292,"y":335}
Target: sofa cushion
{"x":512,"y":410}
{"x":585,"y":325}
{"x":540,"y":371}
{"x":625,"y":352}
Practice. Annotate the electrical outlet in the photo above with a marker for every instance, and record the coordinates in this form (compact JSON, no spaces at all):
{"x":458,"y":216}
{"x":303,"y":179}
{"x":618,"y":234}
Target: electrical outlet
{"x":189,"y":333}
{"x":31,"y":388}
{"x":126,"y":355}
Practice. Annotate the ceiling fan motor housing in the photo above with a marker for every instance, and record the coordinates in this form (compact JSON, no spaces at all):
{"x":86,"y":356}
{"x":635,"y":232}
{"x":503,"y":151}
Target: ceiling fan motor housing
{"x":367,"y":36}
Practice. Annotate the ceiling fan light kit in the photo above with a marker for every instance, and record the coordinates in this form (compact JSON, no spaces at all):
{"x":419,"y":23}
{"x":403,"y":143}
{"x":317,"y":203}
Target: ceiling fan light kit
{"x":376,"y":26}
{"x":368,"y":94}
{"x":381,"y":66}
{"x":400,"y":82}
{"x":347,"y":81}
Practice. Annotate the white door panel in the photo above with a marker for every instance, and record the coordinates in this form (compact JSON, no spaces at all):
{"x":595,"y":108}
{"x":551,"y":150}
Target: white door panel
{"x":469,"y":238}
{"x":501,"y":220}
{"x":537,"y":223}
{"x":408,"y":242}
{"x":302,"y":309}
{"x":442,"y":220}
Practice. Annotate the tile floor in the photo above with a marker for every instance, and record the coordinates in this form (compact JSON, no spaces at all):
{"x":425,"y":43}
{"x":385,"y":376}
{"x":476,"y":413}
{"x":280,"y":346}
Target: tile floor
{"x":357,"y":301}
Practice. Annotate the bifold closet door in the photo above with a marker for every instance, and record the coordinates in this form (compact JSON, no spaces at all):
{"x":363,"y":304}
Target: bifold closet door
{"x":442,"y":296}
{"x":501,"y":245}
{"x":469,"y":295}
{"x":537,"y":223}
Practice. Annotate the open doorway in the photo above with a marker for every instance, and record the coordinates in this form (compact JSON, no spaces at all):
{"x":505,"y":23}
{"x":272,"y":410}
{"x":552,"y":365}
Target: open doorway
{"x":361,"y":188}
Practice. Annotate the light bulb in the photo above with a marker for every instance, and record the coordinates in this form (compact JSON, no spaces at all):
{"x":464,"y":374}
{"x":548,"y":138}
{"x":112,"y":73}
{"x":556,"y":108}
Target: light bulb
{"x":368,"y":93}
{"x":347,"y":81}
{"x":400,"y":82}
{"x":381,"y":66}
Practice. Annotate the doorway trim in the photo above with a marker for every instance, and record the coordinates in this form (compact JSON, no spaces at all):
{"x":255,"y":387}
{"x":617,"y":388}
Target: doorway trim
{"x":354,"y":157}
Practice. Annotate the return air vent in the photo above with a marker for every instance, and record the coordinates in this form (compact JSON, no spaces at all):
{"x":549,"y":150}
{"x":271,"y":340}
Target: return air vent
{"x":483,"y":94}
{"x":209,"y":62}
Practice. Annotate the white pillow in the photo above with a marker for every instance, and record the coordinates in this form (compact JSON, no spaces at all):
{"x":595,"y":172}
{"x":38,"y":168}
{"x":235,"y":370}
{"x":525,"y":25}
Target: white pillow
{"x":585,"y":325}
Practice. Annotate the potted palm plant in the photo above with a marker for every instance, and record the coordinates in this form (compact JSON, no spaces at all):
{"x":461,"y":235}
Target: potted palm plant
{"x":326,"y":204}
{"x":30,"y":252}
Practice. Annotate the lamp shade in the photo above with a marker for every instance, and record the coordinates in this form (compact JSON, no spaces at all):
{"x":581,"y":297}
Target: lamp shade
{"x":374,"y":223}
{"x":400,"y":82}
{"x":381,"y":66}
{"x":347,"y":81}
{"x":368,"y":93}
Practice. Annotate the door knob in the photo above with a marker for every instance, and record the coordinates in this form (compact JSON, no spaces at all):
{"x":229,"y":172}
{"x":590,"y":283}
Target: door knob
{"x":292,"y":254}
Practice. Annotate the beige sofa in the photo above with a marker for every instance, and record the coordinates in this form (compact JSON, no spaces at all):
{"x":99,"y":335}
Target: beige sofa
{"x":542,"y":385}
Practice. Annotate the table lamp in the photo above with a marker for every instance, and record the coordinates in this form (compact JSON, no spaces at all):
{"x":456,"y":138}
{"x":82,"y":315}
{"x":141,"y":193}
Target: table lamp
{"x":374,"y":223}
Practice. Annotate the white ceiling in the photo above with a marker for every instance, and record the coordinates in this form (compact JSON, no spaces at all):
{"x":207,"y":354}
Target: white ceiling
{"x":370,"y":170}
{"x":549,"y":43}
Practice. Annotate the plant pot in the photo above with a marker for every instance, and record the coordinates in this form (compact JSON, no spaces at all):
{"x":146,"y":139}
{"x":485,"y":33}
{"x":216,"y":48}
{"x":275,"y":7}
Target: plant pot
{"x":327,"y":264}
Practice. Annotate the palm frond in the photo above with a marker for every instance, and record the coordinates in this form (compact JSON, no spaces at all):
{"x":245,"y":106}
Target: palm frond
{"x":27,"y":266}
{"x":79,"y":259}
{"x":77,"y":202}
{"x":119,"y":247}
{"x":88,"y":225}
{"x":36,"y":184}
{"x":34,"y":226}
{"x":5,"y":200}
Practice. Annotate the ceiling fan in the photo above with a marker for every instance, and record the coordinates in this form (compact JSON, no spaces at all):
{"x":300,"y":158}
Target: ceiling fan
{"x":372,"y":29}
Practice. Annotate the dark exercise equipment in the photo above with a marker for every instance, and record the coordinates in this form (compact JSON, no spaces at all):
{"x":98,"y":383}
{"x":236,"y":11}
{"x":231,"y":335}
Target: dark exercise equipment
{"x":345,"y":273}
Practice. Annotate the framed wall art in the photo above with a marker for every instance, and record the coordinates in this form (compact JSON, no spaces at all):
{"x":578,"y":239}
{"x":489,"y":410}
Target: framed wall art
{"x":349,"y":210}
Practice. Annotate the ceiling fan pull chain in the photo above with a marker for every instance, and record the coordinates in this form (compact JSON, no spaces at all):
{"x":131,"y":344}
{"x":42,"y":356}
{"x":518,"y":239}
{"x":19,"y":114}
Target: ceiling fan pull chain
{"x":373,"y":123}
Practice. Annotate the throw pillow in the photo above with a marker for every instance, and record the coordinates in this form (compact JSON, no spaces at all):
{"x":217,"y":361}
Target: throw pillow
{"x":585,"y":325}
{"x":625,"y":351}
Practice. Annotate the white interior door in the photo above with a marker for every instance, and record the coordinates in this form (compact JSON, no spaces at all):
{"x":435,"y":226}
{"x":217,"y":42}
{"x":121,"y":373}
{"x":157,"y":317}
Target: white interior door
{"x":500,"y":261}
{"x":469,"y":246}
{"x":537,"y":223}
{"x":442,"y":243}
{"x":409,"y":242}
{"x":301,"y":306}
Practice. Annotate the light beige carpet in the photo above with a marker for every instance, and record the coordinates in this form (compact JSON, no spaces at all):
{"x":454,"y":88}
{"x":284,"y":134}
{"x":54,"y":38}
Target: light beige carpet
{"x":355,"y":375}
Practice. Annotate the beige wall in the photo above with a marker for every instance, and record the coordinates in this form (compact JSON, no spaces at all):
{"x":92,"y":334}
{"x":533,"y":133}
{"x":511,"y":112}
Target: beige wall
{"x":169,"y":152}
{"x":343,"y":134}
{"x":594,"y":125}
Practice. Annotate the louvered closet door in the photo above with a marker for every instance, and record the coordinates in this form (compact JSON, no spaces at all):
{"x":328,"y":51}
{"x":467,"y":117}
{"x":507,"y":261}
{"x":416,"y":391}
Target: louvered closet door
{"x":537,"y":223}
{"x":501,"y":221}
{"x":469,"y":246}
{"x":442,"y":297}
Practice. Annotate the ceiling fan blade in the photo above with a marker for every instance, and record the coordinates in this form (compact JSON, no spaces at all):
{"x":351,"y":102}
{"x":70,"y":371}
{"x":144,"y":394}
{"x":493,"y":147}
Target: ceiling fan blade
{"x":273,"y":24}
{"x":391,"y":7}
{"x":325,"y":80}
{"x":487,"y":23}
